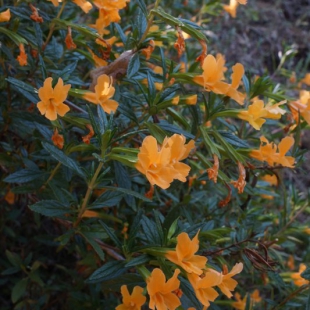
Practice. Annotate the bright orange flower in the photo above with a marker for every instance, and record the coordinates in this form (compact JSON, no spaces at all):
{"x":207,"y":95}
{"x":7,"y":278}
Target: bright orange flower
{"x":58,"y":139}
{"x":191,"y":100}
{"x":255,"y":297}
{"x":184,"y":255}
{"x":35,"y":14}
{"x":161,"y":165}
{"x":69,"y":41}
{"x":86,"y":6}
{"x":291,"y":262}
{"x":22,"y":57}
{"x":147,"y":52}
{"x":214,"y":170}
{"x":203,"y":286}
{"x":161,"y":292}
{"x":110,"y":4}
{"x":268,"y":152}
{"x":55,"y":2}
{"x":179,"y":45}
{"x":99,"y":62}
{"x":134,"y":301}
{"x":238,"y":71}
{"x":103,"y":92}
{"x":240,"y":183}
{"x":302,"y":105}
{"x":271,"y":179}
{"x":175,"y":100}
{"x":232,"y":7}
{"x":86,"y":139}
{"x":298,"y":280}
{"x":257,"y":112}
{"x":228,"y":284}
{"x":306,"y":79}
{"x":242,"y":1}
{"x":52,"y":100}
{"x":5,"y":16}
{"x":240,"y":303}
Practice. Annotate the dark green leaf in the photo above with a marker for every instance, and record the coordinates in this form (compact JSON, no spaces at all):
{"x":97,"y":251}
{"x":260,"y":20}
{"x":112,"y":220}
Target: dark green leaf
{"x":111,"y":234}
{"x":128,"y":192}
{"x":19,"y":290}
{"x":142,"y":259}
{"x":306,"y":274}
{"x":107,"y":199}
{"x":50,"y":208}
{"x":133,"y":66}
{"x":94,"y":245}
{"x":24,"y":176}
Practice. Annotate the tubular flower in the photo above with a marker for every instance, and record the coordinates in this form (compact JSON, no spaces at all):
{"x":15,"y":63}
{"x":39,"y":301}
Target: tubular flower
{"x":268,"y":152}
{"x":297,"y":278}
{"x":22,"y":57}
{"x":86,"y":6}
{"x":52,"y":100}
{"x":184,"y":255}
{"x":191,"y":100}
{"x":240,"y":183}
{"x":161,"y":164}
{"x":203,"y":286}
{"x":103,"y":92}
{"x":55,"y":2}
{"x":35,"y":14}
{"x":232,"y":7}
{"x":58,"y":139}
{"x":86,"y":139}
{"x":257,"y":112}
{"x":306,"y":79}
{"x":213,"y":172}
{"x":134,"y":301}
{"x":161,"y":292}
{"x":240,"y":303}
{"x":69,"y":41}
{"x":302,"y":105}
{"x":5,"y":16}
{"x":238,"y":71}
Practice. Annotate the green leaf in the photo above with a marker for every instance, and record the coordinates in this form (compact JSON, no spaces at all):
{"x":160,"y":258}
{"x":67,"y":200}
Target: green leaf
{"x":140,"y":260}
{"x":24,"y":176}
{"x":134,"y":229}
{"x":150,"y":231}
{"x":14,"y":258}
{"x":151,"y":89}
{"x":103,"y":121}
{"x":19,"y":290}
{"x":156,"y":131}
{"x":142,"y":7}
{"x":306,"y":274}
{"x":94,"y":245}
{"x":50,"y":208}
{"x":128,"y":192}
{"x":107,"y":199}
{"x":94,"y":123}
{"x":121,"y":33}
{"x":62,"y":158}
{"x":109,"y":270}
{"x":111,"y":234}
{"x":210,"y":145}
{"x":233,"y":139}
{"x":16,"y":38}
{"x":140,"y":22}
{"x":133,"y":66}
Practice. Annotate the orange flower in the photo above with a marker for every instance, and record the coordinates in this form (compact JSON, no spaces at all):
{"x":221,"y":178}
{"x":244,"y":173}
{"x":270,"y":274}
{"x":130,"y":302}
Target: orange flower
{"x":191,"y":100}
{"x":238,"y":71}
{"x":58,"y":139}
{"x":134,"y":301}
{"x":110,"y":5}
{"x":213,"y":172}
{"x":271,"y":179}
{"x":86,"y":139}
{"x":55,"y":2}
{"x":257,"y":111}
{"x":5,"y":16}
{"x":267,"y":152}
{"x":306,"y":79}
{"x":298,"y":280}
{"x":103,"y":92}
{"x":232,"y":7}
{"x":203,"y":286}
{"x":228,"y":284}
{"x":175,"y":100}
{"x":184,"y":254}
{"x":240,"y":183}
{"x":179,"y":45}
{"x":161,"y":292}
{"x":22,"y":57}
{"x":162,"y":165}
{"x":240,"y":303}
{"x":147,"y":52}
{"x":52,"y":100}
{"x":9,"y":197}
{"x":99,"y":62}
{"x":69,"y":41}
{"x":86,"y":6}
{"x":302,"y":105}
{"x":291,"y":262}
{"x":35,"y":14}
{"x":255,"y":297}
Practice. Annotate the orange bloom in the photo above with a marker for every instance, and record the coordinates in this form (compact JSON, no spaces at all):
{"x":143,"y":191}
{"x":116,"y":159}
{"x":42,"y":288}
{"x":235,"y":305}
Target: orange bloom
{"x":232,"y":7}
{"x":162,"y":165}
{"x":103,"y":92}
{"x":55,"y":2}
{"x":9,"y":197}
{"x":191,"y":100}
{"x":213,"y":172}
{"x":5,"y":16}
{"x":175,"y":100}
{"x":22,"y":57}
{"x":86,"y":6}
{"x":291,"y":262}
{"x":110,"y":5}
{"x":238,"y":71}
{"x":257,"y":112}
{"x":58,"y":139}
{"x":147,"y":52}
{"x":298,"y":280}
{"x":86,"y":139}
{"x":184,"y":255}
{"x":134,"y":301}
{"x":161,"y":292}
{"x":179,"y":45}
{"x":99,"y":62}
{"x":69,"y":41}
{"x":302,"y":105}
{"x":268,"y":152}
{"x":271,"y":179}
{"x":52,"y":100}
{"x":35,"y":14}
{"x":203,"y":286}
{"x":240,"y":303}
{"x":240,"y":183}
{"x":306,"y":79}
{"x":228,"y":284}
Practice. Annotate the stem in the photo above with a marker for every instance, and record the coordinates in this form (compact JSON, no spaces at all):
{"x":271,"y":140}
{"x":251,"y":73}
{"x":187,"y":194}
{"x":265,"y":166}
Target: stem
{"x":51,"y":176}
{"x":53,"y":26}
{"x":88,"y":193}
{"x":71,"y":104}
{"x":149,"y":23}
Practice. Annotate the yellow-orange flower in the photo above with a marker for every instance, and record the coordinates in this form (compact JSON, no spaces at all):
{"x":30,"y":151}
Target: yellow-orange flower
{"x":257,"y":112}
{"x":268,"y":152}
{"x":184,"y":255}
{"x":238,"y":71}
{"x":240,"y":303}
{"x":302,"y":105}
{"x":161,"y":292}
{"x":52,"y":100}
{"x":271,"y":179}
{"x":306,"y":79}
{"x":110,"y":4}
{"x":69,"y":41}
{"x":55,"y":2}
{"x":5,"y":16}
{"x":255,"y":297}
{"x":240,"y":183}
{"x":103,"y":92}
{"x":297,"y":278}
{"x":22,"y":57}
{"x":214,"y":170}
{"x":190,"y":100}
{"x":232,"y":7}
{"x":86,"y":139}
{"x":58,"y":139}
{"x":134,"y":301}
{"x":203,"y":286}
{"x":86,"y":6}
{"x":161,"y":165}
